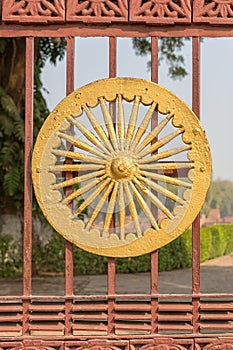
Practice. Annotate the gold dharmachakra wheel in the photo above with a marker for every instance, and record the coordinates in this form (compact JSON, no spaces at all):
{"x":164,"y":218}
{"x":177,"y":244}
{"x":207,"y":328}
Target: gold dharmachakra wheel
{"x":121,"y":167}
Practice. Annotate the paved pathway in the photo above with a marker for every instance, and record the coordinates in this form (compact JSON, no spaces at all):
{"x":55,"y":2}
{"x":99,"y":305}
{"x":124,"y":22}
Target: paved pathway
{"x":216,"y":277}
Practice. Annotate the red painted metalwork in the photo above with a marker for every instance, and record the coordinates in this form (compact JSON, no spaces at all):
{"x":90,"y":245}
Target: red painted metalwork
{"x":196,"y":223}
{"x":160,"y":12}
{"x":27,"y":237}
{"x":154,"y":255}
{"x":112,"y":321}
{"x":33,"y":11}
{"x":69,"y":269}
{"x":213,"y":12}
{"x":112,"y":261}
{"x":97,"y":11}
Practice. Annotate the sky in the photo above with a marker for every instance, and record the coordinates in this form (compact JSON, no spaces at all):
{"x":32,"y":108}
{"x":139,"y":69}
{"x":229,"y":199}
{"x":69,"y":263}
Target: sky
{"x":91,"y":63}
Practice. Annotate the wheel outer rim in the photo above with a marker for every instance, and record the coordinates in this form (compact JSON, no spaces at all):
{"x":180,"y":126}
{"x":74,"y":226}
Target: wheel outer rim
{"x":168,"y":103}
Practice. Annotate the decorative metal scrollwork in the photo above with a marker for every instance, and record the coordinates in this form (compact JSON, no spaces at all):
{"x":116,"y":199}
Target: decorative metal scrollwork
{"x":121,"y":167}
{"x":160,"y":11}
{"x":34,"y":11}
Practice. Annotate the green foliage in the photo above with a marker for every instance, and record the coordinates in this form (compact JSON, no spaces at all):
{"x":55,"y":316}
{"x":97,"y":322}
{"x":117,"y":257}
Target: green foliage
{"x":173,"y":256}
{"x":219,"y":243}
{"x":3,"y":44}
{"x":220,"y":195}
{"x":11,"y":149}
{"x":49,"y":258}
{"x":205,"y":243}
{"x":228,"y":234}
{"x":89,"y":264}
{"x":10,"y":256}
{"x":12,"y":122}
{"x":170,"y":51}
{"x":131,"y":265}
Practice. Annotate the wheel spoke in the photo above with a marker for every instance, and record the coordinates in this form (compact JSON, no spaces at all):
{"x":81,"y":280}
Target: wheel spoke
{"x":100,"y":205}
{"x":154,"y":133}
{"x":162,"y":142}
{"x":165,"y":154}
{"x":143,"y":126}
{"x":109,"y":123}
{"x":122,"y":211}
{"x":121,"y":123}
{"x":83,"y":189}
{"x":144,"y":206}
{"x":167,"y":179}
{"x":78,"y":156}
{"x":110,"y":210}
{"x":154,"y":199}
{"x":132,"y":122}
{"x":75,"y":167}
{"x":161,"y":190}
{"x":77,"y":179}
{"x":81,"y":144}
{"x":166,"y":166}
{"x":88,"y":134}
{"x":92,"y":197}
{"x":97,"y":127}
{"x":132,"y":209}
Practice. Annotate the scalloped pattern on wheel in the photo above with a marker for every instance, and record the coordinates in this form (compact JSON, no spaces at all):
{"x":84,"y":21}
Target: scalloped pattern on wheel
{"x":121,"y":167}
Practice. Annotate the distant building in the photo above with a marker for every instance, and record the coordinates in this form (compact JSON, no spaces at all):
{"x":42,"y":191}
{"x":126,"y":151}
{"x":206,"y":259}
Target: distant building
{"x":214,"y":218}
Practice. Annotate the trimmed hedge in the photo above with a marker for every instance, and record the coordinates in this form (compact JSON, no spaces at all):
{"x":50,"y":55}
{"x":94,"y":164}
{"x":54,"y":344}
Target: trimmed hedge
{"x":215,"y":241}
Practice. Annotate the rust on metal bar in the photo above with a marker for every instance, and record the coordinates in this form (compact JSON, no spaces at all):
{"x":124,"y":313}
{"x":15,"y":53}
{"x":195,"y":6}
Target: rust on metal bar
{"x":112,"y":261}
{"x":154,"y":255}
{"x":115,"y":30}
{"x":196,"y":223}
{"x":69,"y":268}
{"x":27,"y":237}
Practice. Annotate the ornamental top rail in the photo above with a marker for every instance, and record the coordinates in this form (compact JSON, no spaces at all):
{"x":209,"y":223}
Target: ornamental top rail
{"x":151,"y":12}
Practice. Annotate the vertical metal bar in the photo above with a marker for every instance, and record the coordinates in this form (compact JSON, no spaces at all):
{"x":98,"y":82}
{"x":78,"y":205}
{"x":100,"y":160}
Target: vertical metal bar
{"x":70,"y":65}
{"x":27,"y":237}
{"x":112,"y":56}
{"x":69,"y":268}
{"x":196,"y":223}
{"x":111,"y":292}
{"x":154,"y":60}
{"x":154,"y":255}
{"x":112,"y":261}
{"x":69,"y":89}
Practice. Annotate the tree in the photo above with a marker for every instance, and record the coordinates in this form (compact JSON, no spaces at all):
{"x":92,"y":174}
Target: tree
{"x":170,"y":51}
{"x":12,"y":87}
{"x":12,"y":63}
{"x":220,"y":196}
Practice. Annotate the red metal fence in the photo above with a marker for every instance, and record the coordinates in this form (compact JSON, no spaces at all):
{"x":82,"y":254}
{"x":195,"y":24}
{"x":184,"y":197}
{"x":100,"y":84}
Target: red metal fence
{"x":113,"y":321}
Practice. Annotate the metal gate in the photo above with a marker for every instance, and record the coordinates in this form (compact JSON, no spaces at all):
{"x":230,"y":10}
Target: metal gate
{"x":113,"y":321}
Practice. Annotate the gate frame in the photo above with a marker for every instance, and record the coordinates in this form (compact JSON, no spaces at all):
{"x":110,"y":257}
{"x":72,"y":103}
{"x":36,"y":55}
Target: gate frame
{"x":192,"y":20}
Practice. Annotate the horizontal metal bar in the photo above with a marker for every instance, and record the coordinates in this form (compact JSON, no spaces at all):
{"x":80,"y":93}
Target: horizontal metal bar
{"x":89,"y":308}
{"x":179,"y":307}
{"x":133,"y":327}
{"x":88,"y":317}
{"x":134,"y":317}
{"x":174,"y":318}
{"x":220,"y":306}
{"x":116,"y":30}
{"x":175,"y":327}
{"x":13,"y":318}
{"x":216,"y":326}
{"x":217,"y":317}
{"x":147,"y":297}
{"x":48,"y":318}
{"x":133,"y":307}
{"x":89,"y":327}
{"x":47,"y":327}
{"x":47,"y":307}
